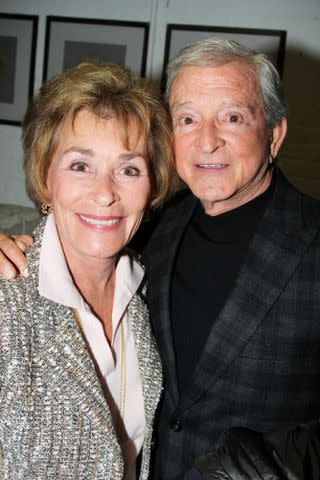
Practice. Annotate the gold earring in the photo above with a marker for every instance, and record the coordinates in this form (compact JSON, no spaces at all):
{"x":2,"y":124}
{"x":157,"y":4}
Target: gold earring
{"x":46,"y":209}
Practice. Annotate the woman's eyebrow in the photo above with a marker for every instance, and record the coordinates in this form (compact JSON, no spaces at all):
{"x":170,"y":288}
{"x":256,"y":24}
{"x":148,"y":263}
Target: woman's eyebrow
{"x":131,"y":155}
{"x":83,"y":151}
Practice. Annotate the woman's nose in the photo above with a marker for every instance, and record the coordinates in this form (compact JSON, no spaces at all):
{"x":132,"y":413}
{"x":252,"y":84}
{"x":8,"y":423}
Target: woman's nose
{"x":105,"y":191}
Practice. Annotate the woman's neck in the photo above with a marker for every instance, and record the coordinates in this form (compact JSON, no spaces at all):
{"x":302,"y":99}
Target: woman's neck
{"x":95,"y":281}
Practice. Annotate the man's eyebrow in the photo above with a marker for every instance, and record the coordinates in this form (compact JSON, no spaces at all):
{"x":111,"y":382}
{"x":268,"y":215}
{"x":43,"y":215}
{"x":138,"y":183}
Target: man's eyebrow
{"x":244,"y":106}
{"x":180,"y":104}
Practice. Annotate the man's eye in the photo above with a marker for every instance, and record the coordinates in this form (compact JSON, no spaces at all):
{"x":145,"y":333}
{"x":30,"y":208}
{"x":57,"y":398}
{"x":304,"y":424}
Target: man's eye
{"x":79,"y":167}
{"x":234,"y":118}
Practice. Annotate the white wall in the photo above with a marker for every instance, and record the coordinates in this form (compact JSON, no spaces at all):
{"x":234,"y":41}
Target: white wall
{"x":301,"y":155}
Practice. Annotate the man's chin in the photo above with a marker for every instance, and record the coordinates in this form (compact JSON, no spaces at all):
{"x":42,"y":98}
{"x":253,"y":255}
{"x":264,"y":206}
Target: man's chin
{"x":210,"y":194}
{"x":212,"y":201}
{"x":216,"y":201}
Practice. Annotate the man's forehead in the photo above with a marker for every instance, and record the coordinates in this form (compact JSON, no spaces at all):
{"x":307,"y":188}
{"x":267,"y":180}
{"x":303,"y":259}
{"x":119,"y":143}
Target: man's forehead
{"x":194,"y":83}
{"x":241,"y":102}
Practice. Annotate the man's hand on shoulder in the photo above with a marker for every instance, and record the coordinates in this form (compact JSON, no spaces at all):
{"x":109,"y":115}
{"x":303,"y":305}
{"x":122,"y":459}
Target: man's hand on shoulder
{"x":12,"y":255}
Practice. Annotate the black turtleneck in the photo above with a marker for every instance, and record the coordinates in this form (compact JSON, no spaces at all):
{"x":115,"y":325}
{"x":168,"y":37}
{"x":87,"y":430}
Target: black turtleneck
{"x":210,"y":256}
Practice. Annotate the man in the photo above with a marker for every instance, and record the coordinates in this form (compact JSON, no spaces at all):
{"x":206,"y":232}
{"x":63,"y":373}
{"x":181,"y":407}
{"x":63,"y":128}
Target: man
{"x":233,"y":265}
{"x":234,"y":279}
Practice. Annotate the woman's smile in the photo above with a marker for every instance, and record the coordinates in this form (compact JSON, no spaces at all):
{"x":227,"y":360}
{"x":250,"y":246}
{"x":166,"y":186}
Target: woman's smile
{"x":100,"y":222}
{"x":99,"y":188}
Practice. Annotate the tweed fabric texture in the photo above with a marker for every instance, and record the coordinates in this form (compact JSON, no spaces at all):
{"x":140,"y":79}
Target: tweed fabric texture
{"x":55,"y":423}
{"x":260,"y":367}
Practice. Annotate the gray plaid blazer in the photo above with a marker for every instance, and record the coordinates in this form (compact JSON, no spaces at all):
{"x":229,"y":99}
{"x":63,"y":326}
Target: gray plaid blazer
{"x":260,"y":367}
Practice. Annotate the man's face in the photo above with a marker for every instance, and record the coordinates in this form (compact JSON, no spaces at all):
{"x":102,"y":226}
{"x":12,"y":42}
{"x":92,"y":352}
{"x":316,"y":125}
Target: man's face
{"x":221,"y":141}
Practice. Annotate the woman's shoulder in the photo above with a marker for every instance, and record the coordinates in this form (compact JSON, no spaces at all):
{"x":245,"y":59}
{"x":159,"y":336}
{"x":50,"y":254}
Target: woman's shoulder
{"x":14,"y":327}
{"x":12,"y":292}
{"x":15,"y":296}
{"x":18,"y":296}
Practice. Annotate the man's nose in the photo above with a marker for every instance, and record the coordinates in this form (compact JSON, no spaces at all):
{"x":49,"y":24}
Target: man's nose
{"x":209,"y":138}
{"x":105,"y":191}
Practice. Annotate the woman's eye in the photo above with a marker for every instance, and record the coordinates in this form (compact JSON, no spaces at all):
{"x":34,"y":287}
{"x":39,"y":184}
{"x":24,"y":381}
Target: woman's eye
{"x":130,"y":171}
{"x":79,"y":167}
{"x":185,"y":120}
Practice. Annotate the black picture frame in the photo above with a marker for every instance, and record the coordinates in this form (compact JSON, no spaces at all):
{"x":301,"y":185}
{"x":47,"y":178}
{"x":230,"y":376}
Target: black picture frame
{"x":70,"y":40}
{"x":268,"y":41}
{"x":18,"y":40}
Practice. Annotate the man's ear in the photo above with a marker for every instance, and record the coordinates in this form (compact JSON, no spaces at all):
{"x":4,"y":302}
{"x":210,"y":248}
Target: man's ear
{"x":278,"y":135}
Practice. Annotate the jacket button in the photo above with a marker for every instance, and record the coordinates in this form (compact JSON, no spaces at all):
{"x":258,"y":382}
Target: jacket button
{"x":176,"y":425}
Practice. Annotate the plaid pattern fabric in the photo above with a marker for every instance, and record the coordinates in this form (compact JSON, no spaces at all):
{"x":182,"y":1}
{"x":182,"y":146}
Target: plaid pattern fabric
{"x":261,"y":364}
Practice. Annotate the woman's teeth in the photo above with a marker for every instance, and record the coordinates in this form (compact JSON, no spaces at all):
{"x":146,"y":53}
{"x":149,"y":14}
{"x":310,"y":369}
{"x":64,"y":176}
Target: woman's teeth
{"x":103,"y":223}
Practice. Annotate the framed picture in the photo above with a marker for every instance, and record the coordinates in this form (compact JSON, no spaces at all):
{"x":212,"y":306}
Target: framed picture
{"x":270,"y":42}
{"x":72,"y":40}
{"x":18,"y":36}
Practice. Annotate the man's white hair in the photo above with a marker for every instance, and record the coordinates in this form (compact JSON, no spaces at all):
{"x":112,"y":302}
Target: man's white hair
{"x":219,"y":51}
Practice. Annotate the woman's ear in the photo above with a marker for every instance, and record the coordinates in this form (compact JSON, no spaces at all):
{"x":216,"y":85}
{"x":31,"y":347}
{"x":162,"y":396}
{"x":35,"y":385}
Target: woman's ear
{"x":48,"y":186}
{"x":47,"y":195}
{"x":278,"y":135}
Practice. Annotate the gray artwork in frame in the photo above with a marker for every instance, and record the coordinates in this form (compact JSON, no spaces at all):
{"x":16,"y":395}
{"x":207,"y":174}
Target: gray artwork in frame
{"x":18,"y":36}
{"x":72,"y":40}
{"x":268,"y":41}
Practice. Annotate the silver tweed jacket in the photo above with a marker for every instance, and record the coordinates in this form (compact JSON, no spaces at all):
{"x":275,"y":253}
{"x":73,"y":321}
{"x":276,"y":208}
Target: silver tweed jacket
{"x":55,"y":423}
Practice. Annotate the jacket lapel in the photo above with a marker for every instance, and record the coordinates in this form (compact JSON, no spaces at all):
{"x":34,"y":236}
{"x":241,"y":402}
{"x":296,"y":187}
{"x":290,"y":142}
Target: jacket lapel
{"x":73,"y":372}
{"x":274,"y":253}
{"x":162,"y":251}
{"x":63,"y":350}
{"x":147,"y":353}
{"x":150,"y":370}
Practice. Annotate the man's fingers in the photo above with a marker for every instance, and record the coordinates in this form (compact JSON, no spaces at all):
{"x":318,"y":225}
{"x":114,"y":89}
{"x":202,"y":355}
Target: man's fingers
{"x":23,"y":241}
{"x":7,"y":269}
{"x":12,"y":258}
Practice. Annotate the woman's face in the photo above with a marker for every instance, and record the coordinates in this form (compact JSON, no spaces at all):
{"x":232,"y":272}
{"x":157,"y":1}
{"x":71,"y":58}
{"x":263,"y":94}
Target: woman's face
{"x":98,"y":189}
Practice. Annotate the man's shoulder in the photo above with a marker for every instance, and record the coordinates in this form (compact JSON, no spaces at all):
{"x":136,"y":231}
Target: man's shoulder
{"x":291,"y":202}
{"x":181,"y":201}
{"x":176,"y":213}
{"x":169,"y":221}
{"x":310,"y":209}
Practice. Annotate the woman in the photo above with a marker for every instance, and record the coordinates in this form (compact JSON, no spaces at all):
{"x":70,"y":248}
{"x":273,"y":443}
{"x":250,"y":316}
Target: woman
{"x":80,"y":376}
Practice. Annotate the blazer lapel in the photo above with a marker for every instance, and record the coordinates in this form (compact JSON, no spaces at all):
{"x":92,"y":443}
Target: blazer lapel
{"x":64,"y":352}
{"x":163,"y":249}
{"x":273,"y":255}
{"x":147,"y":353}
{"x":73,"y":373}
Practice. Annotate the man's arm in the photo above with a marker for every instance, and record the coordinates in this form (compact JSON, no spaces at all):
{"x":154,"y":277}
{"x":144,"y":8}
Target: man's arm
{"x":12,"y":258}
{"x":289,"y":453}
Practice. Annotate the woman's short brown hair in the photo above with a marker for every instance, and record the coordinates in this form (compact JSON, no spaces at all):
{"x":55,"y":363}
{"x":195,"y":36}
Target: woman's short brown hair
{"x":105,"y":90}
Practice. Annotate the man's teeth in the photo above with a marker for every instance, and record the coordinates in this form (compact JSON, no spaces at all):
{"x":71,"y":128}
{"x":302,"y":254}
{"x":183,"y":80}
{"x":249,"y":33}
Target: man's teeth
{"x":104,"y":223}
{"x":210,"y":165}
